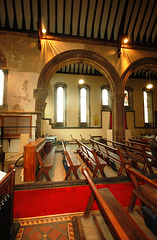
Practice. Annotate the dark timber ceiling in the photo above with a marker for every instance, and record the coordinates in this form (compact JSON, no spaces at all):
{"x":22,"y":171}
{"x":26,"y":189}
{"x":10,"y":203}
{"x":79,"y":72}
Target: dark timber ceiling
{"x":97,"y":21}
{"x":83,"y":69}
{"x":101,"y":20}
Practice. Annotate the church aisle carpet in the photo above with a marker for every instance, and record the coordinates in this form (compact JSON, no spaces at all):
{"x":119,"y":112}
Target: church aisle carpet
{"x":51,"y":201}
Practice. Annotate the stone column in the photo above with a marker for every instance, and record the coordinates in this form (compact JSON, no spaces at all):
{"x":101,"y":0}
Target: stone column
{"x":118,"y":115}
{"x":40,"y":95}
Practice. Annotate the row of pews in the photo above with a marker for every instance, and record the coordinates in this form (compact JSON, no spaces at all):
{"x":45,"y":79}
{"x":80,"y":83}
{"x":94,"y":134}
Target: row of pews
{"x":129,"y":157}
{"x":101,"y":154}
{"x":38,"y":159}
{"x":137,"y":155}
{"x":120,"y":223}
{"x":116,"y":155}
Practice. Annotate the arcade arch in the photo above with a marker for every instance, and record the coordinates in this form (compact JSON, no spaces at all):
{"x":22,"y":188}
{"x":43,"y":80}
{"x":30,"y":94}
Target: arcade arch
{"x":117,"y":83}
{"x":94,"y":60}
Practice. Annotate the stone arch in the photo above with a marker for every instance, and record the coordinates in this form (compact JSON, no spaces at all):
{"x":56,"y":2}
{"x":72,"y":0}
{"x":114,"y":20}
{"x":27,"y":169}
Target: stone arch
{"x":77,"y":56}
{"x":142,"y":62}
{"x":86,"y":57}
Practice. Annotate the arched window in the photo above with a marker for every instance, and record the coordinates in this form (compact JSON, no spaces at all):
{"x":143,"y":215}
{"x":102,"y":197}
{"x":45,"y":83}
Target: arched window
{"x":83,"y":105}
{"x":106,"y":98}
{"x":3,"y":89}
{"x":60,"y":104}
{"x":84,"y":119}
{"x":128,"y":99}
{"x":148,"y":107}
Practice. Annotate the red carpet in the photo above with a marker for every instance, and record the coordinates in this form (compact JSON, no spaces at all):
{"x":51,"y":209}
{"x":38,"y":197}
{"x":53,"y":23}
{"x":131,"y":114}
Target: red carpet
{"x":41,"y":202}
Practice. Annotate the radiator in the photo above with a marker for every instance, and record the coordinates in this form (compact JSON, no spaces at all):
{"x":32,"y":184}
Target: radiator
{"x":5,"y":204}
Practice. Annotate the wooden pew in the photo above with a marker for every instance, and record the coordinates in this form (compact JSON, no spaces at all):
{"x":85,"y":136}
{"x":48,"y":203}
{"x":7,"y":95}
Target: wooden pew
{"x":71,"y":160}
{"x":8,"y":228}
{"x":134,"y":154}
{"x":2,"y":158}
{"x":147,"y":192}
{"x":91,"y":159}
{"x":144,"y":147}
{"x":31,"y":164}
{"x":142,"y":140}
{"x":109,"y":153}
{"x":45,"y":160}
{"x":118,"y":220}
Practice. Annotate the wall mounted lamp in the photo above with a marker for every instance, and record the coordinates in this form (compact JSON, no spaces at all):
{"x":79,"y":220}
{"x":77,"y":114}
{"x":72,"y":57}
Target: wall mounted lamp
{"x":149,"y":84}
{"x":81,"y":81}
{"x":123,"y":40}
{"x":41,"y":32}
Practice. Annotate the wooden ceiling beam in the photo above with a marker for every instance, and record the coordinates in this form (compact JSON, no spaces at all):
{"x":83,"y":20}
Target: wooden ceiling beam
{"x":131,"y":14}
{"x":56,"y":9}
{"x":71,"y":16}
{"x":78,"y":28}
{"x":108,"y":17}
{"x":23,"y":16}
{"x":14,"y":13}
{"x":100,"y":22}
{"x":94,"y":16}
{"x":64,"y":7}
{"x":31,"y":14}
{"x":135,"y":22}
{"x":114,"y":23}
{"x":150,"y":16}
{"x":87,"y":13}
{"x":48,"y":15}
{"x":6,"y":15}
{"x":138,"y":40}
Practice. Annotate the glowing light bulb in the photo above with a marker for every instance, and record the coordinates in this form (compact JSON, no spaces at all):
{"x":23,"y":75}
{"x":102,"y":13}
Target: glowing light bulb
{"x":43,"y":30}
{"x":81,"y":81}
{"x":149,"y":86}
{"x":126,"y":40}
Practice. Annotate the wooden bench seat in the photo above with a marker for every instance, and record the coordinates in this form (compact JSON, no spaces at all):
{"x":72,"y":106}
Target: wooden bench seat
{"x":91,"y":159}
{"x":118,"y":220}
{"x":45,"y":161}
{"x":147,"y":192}
{"x":136,"y":155}
{"x":142,"y":146}
{"x":72,"y":162}
{"x":109,"y":153}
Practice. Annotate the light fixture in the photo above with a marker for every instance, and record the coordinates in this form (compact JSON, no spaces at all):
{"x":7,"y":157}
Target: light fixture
{"x":43,"y":30}
{"x":125,"y":40}
{"x":122,"y":40}
{"x":149,"y":85}
{"x":81,"y":81}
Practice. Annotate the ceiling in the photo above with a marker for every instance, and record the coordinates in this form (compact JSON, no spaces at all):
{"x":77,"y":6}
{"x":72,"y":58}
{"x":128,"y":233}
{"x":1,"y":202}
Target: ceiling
{"x":94,"y":21}
{"x":101,"y":20}
{"x":83,"y":69}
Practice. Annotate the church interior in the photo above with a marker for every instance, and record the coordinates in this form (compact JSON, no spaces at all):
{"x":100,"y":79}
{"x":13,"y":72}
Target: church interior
{"x":78,"y":119}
